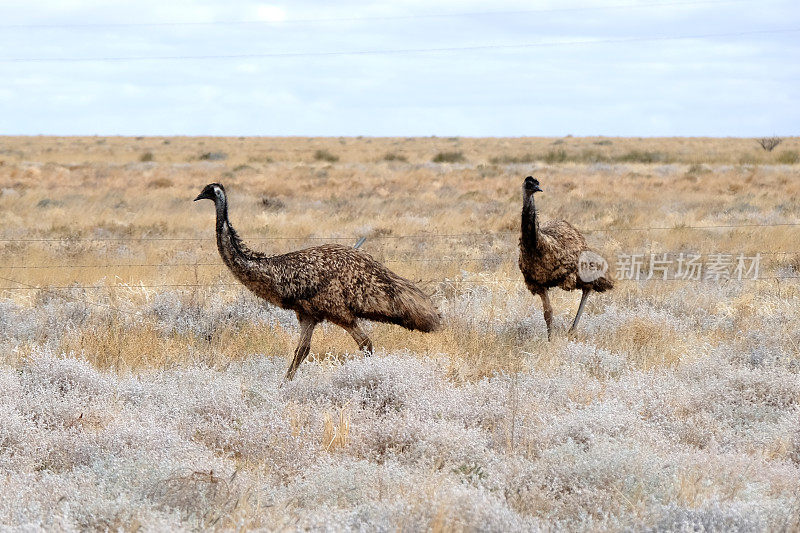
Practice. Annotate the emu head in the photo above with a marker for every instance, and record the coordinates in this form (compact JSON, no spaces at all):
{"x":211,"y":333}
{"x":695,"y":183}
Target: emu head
{"x":531,"y":185}
{"x":212,"y":191}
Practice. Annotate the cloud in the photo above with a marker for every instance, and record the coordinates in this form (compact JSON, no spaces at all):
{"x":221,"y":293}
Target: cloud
{"x":719,"y":86}
{"x":270,"y":13}
{"x":247,"y":68}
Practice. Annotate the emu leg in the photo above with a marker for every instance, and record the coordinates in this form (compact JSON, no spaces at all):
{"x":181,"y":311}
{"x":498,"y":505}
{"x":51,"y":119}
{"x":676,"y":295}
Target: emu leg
{"x":548,"y":313}
{"x":361,"y":338}
{"x":307,"y":326}
{"x":580,"y":310}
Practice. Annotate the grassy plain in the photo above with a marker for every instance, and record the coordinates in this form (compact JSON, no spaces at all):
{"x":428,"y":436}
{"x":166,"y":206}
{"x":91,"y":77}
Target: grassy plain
{"x":139,"y":366}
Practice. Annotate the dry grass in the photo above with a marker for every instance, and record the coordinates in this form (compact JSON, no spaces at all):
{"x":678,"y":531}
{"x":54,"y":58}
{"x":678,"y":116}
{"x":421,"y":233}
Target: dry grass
{"x":662,"y":377}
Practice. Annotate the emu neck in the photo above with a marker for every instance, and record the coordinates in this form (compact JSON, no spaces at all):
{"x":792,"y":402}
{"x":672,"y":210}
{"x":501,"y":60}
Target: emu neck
{"x":530,"y":222}
{"x":228,"y":242}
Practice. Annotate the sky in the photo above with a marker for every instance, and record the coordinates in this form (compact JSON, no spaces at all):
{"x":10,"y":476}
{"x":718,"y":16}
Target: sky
{"x":400,"y":68}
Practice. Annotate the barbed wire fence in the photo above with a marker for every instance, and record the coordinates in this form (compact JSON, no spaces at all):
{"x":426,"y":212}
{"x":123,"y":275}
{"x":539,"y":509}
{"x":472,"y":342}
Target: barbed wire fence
{"x":404,"y":258}
{"x":60,"y":291}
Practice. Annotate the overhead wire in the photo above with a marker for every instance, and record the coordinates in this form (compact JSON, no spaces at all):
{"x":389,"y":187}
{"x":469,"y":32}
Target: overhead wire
{"x":367,"y":18}
{"x":395,"y":51}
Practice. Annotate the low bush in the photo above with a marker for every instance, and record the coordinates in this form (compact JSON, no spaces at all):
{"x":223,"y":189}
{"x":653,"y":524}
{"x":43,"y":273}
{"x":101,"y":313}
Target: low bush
{"x":213,"y":156}
{"x":507,"y":159}
{"x":449,"y":157}
{"x":642,"y":156}
{"x":391,"y":156}
{"x":789,"y":157}
{"x":324,"y":155}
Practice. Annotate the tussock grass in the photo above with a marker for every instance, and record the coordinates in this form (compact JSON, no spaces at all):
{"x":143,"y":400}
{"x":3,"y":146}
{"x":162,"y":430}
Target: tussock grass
{"x":674,"y":407}
{"x":788,"y":157}
{"x":391,"y":156}
{"x":325,"y":155}
{"x":449,"y":157}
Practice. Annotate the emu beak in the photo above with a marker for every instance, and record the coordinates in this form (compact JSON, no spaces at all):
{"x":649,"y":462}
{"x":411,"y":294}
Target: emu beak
{"x":199,"y":197}
{"x":538,"y":189}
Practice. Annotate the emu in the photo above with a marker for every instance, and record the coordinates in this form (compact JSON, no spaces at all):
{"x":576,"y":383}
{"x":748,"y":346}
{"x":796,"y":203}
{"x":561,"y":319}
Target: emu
{"x":329,"y":282}
{"x":551,"y":256}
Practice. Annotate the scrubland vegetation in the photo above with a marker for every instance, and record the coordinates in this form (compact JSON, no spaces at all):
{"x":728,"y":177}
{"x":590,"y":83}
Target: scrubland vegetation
{"x":141,"y":387}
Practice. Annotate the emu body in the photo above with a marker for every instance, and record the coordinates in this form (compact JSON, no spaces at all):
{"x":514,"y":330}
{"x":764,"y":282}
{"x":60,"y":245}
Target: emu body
{"x":550,"y":257}
{"x":329,"y":282}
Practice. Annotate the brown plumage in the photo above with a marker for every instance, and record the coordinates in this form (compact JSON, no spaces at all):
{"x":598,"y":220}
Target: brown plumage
{"x":329,"y":282}
{"x":550,"y":257}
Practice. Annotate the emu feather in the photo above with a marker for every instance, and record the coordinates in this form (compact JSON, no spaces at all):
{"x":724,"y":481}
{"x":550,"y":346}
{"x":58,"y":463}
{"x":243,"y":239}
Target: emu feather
{"x":329,"y":282}
{"x":549,"y":256}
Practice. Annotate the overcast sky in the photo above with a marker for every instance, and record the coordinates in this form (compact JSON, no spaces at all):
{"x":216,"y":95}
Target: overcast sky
{"x":508,"y":68}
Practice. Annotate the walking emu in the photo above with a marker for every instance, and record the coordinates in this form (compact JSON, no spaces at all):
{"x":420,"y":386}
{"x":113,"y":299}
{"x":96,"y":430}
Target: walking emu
{"x":329,"y":282}
{"x":550,"y":256}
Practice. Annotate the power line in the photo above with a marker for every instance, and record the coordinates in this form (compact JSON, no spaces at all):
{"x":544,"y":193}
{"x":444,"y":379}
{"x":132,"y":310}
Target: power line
{"x":365,"y":18}
{"x":398,"y":51}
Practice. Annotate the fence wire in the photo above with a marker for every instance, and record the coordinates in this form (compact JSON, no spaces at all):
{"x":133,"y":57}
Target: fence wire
{"x":405,"y":258}
{"x":424,"y":235}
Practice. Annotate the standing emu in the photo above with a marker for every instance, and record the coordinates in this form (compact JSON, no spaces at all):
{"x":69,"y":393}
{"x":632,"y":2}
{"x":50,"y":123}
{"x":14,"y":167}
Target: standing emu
{"x":329,"y":282}
{"x":550,"y":256}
